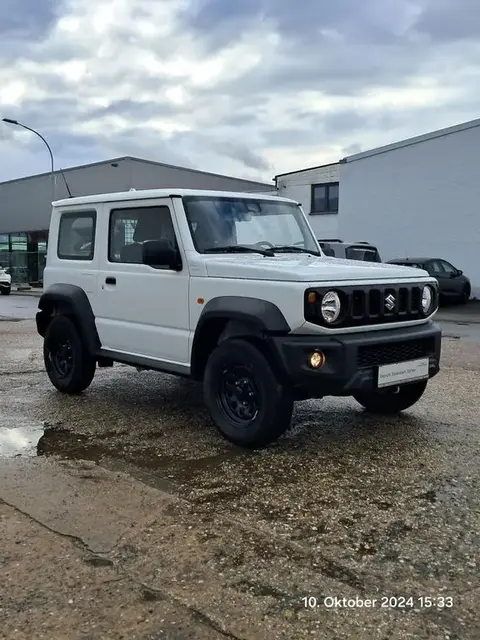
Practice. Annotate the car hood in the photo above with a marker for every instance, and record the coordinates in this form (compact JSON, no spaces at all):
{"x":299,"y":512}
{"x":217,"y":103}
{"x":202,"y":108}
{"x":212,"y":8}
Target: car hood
{"x":304,"y":268}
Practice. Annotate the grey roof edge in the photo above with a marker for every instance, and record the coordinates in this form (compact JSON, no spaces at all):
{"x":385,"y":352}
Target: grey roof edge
{"x":67,"y":169}
{"x":320,"y":166}
{"x":439,"y":133}
{"x":205,"y":173}
{"x":135,"y":159}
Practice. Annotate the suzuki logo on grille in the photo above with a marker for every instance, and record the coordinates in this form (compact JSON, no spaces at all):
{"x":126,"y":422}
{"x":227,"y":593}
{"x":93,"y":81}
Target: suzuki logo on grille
{"x":390,"y":302}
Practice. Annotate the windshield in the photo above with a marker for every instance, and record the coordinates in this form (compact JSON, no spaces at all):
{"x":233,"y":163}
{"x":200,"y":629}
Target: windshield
{"x":223,"y":224}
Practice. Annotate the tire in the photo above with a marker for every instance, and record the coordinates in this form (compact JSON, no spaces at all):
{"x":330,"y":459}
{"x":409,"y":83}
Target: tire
{"x":392,"y":400}
{"x":67,"y":361}
{"x":465,"y":296}
{"x":5,"y":291}
{"x":235,"y":370}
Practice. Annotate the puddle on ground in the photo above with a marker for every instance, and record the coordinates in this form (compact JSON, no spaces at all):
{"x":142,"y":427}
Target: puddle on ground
{"x":20,"y":441}
{"x":48,"y":440}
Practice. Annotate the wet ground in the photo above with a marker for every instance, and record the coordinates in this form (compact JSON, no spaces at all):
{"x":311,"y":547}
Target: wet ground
{"x":124,"y":512}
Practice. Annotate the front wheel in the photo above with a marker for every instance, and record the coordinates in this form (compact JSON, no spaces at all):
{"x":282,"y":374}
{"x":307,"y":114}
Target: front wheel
{"x":5,"y":291}
{"x":465,"y":295}
{"x":392,"y":400}
{"x":247,"y":403}
{"x":67,"y":361}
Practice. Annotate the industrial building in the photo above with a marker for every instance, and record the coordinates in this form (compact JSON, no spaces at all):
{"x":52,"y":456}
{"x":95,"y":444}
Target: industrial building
{"x":418,"y":197}
{"x":25,"y":203}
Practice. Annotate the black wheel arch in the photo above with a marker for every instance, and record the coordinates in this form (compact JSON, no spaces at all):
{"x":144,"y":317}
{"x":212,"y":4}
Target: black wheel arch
{"x":229,"y":317}
{"x":72,"y":301}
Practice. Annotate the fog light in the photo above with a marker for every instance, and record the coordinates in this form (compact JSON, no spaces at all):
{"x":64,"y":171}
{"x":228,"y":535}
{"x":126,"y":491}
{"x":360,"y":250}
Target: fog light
{"x":317,"y":359}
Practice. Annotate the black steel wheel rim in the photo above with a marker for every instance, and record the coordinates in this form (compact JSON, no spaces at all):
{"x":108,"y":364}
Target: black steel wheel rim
{"x":238,"y":394}
{"x":60,"y":357}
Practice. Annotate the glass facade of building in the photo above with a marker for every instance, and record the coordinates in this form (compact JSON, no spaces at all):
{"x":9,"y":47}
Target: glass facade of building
{"x":24,"y":255}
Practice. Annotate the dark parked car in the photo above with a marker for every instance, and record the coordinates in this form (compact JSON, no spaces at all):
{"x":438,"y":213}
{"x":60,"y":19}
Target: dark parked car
{"x":350,"y":250}
{"x":454,"y":286}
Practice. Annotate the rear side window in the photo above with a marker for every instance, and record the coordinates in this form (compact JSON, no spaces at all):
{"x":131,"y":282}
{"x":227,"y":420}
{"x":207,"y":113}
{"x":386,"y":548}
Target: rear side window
{"x":76,"y":235}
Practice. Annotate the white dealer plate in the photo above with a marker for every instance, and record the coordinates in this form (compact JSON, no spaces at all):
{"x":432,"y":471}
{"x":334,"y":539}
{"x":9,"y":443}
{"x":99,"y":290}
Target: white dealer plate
{"x":393,"y":374}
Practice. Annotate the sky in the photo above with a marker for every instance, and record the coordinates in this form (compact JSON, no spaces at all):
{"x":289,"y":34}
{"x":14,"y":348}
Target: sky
{"x":249,"y":88}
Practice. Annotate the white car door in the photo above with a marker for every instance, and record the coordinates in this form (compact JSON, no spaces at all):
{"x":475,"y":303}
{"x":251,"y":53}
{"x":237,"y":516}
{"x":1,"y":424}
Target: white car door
{"x":142,"y":310}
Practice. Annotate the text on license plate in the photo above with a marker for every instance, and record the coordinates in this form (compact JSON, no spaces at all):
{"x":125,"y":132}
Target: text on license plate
{"x":393,"y":374}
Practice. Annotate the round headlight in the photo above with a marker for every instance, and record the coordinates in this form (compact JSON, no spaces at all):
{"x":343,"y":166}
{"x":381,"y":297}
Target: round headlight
{"x":427,"y":299}
{"x":331,"y":307}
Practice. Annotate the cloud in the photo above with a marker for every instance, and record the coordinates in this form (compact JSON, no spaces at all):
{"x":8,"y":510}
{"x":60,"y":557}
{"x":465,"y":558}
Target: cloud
{"x":250,"y":88}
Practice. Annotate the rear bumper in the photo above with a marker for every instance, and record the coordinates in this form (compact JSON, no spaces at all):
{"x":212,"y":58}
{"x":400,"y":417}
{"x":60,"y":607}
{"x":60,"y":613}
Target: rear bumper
{"x":352,"y":360}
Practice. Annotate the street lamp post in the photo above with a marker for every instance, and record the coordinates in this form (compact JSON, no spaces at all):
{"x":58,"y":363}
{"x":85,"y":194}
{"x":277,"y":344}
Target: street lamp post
{"x":23,"y":126}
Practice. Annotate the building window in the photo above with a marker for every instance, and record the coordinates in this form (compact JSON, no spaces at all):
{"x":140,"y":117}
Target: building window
{"x":18,"y":241}
{"x":76,"y":236}
{"x":324,"y":198}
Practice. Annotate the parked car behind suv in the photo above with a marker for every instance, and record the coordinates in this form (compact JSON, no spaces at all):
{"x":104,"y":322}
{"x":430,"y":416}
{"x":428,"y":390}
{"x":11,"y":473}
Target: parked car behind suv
{"x":5,"y":281}
{"x":349,"y":250}
{"x":453,"y":285}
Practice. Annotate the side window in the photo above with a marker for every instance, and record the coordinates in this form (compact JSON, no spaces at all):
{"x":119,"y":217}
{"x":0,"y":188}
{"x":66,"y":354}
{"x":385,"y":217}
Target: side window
{"x":76,"y":235}
{"x":434,"y":267}
{"x":447,"y":267}
{"x":130,"y":228}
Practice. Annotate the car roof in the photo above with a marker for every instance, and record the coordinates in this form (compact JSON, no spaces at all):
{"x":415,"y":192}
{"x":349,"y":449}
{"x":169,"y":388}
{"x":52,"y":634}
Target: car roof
{"x":148,"y":194}
{"x":419,"y":260}
{"x":357,"y":243}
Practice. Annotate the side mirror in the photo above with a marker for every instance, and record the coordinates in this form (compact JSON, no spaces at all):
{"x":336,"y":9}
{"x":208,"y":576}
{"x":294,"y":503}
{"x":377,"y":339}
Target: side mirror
{"x":160,"y":253}
{"x":459,"y":272}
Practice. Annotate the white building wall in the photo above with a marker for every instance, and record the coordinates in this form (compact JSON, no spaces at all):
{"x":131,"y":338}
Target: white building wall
{"x":298,"y":186}
{"x":420,"y":199}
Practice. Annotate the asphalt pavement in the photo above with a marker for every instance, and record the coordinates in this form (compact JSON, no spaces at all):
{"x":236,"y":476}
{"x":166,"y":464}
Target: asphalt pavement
{"x":124,"y":514}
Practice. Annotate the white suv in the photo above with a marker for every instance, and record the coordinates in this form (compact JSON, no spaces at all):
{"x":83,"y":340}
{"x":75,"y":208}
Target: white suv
{"x":5,"y":281}
{"x":232,"y":290}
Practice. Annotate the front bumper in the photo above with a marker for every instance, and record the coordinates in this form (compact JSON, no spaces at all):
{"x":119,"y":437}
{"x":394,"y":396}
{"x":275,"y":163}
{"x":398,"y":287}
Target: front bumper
{"x":352,"y":360}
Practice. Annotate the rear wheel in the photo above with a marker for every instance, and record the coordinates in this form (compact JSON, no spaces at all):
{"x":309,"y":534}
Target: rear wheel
{"x":5,"y":291}
{"x":67,"y":361}
{"x":247,"y":403}
{"x":392,"y":400}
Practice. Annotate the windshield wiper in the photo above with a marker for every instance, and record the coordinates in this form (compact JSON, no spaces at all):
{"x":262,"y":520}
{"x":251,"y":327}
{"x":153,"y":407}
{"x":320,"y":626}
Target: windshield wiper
{"x":293,"y":249}
{"x":239,"y":248}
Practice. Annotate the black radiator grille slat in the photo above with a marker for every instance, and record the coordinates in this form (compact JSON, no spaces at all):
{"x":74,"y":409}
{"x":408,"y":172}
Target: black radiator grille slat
{"x":375,"y":303}
{"x":403,"y":300}
{"x":416,"y":303}
{"x":358,"y":304}
{"x":390,"y":353}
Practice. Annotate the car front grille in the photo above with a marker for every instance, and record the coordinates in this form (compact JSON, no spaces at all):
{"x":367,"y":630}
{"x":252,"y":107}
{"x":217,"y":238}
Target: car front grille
{"x":371,"y":305}
{"x":389,"y":353}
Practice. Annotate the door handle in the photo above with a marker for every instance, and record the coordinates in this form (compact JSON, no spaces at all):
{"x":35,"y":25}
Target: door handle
{"x":110,"y":281}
